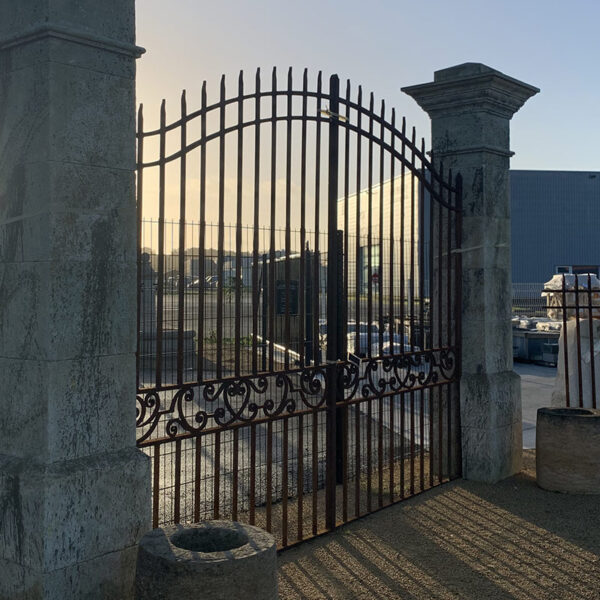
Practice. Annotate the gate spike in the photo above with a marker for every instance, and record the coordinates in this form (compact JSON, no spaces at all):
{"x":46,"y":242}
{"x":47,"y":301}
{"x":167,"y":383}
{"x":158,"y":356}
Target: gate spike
{"x":241,"y":83}
{"x":140,"y":118}
{"x":305,"y":79}
{"x":274,"y":78}
{"x":290,"y":78}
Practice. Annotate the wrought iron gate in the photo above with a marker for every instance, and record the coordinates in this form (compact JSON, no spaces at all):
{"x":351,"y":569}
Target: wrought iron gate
{"x":298,"y":312}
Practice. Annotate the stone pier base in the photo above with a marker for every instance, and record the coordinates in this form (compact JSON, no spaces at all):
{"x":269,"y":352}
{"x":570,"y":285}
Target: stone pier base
{"x":70,"y":529}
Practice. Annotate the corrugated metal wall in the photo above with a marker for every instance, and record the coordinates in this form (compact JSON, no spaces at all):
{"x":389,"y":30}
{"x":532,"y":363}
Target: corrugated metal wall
{"x":555,"y":221}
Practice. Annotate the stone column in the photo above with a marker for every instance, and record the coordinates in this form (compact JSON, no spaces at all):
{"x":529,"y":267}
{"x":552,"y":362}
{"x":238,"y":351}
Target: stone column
{"x":470,"y":106}
{"x":74,"y":490}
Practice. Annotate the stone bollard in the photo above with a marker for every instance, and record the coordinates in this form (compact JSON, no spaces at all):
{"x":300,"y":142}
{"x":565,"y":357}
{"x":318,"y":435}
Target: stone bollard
{"x":213,"y":560}
{"x":568,"y":450}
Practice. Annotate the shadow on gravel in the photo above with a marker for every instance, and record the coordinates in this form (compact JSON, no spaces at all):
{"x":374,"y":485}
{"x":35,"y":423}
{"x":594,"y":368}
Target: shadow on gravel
{"x":462,"y":540}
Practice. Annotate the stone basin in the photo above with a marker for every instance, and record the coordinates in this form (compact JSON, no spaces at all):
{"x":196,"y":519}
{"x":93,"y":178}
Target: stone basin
{"x":212,"y":560}
{"x":568,"y":450}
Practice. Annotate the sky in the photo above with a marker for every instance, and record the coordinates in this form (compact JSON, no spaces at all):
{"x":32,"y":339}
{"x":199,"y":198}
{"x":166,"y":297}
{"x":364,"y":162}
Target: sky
{"x":383,"y":45}
{"x":387,"y":44}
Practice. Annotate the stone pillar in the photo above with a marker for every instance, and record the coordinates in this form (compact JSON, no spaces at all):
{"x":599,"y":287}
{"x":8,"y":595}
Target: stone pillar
{"x":470,"y":106}
{"x":74,"y":490}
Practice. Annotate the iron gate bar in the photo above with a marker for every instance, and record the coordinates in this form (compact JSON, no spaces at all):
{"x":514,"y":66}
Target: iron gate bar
{"x":255,"y":240}
{"x":271,"y":304}
{"x":317,"y":257}
{"x":449,"y":306}
{"x":221,"y":231}
{"x":300,"y":482}
{"x":182,"y":223}
{"x":161,"y":247}
{"x":334,"y":325}
{"x":381,"y":213}
{"x":420,"y":249}
{"x":197,"y":474}
{"x":578,"y":333}
{"x":369,"y":266}
{"x":565,"y":345}
{"x":139,"y":209}
{"x":432,"y":394}
{"x":391,"y":302}
{"x":358,"y":199}
{"x":238,"y":232}
{"x":288,"y":201}
{"x":411,"y":292}
{"x":202,"y":239}
{"x":591,"y":333}
{"x":302,"y":321}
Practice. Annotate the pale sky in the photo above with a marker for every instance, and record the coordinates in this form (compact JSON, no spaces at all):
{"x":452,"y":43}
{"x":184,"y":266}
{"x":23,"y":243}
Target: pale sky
{"x":385,"y":45}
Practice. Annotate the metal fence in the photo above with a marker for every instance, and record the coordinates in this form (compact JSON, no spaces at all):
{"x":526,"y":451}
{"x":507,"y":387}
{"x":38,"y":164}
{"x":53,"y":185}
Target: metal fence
{"x":527,"y":300}
{"x":576,"y":304}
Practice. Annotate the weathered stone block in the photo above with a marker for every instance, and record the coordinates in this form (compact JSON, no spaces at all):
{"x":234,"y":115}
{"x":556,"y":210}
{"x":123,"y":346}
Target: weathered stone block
{"x":86,"y":126}
{"x":490,"y":455}
{"x":490,"y":401}
{"x":59,"y":514}
{"x":37,"y":430}
{"x":46,"y":187}
{"x":108,"y":577}
{"x":63,"y":310}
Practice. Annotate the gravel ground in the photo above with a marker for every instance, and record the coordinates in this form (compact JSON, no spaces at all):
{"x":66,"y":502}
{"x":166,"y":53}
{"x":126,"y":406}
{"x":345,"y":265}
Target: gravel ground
{"x":462,"y":540}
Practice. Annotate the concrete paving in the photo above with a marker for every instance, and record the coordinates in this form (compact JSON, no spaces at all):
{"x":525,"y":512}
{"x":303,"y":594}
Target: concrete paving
{"x":537,"y":383}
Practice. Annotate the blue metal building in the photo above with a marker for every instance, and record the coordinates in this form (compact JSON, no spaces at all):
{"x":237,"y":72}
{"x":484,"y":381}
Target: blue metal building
{"x":555,"y":223}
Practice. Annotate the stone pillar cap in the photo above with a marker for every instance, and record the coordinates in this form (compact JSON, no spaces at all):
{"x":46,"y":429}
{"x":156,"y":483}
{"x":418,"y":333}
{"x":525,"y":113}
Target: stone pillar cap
{"x":474,"y":86}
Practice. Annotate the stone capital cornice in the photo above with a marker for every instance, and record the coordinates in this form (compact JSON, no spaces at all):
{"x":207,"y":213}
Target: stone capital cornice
{"x":471,"y":87}
{"x":441,"y":154}
{"x":71,"y":34}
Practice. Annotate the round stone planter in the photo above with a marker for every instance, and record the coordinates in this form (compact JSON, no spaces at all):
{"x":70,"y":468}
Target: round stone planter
{"x":212,"y":560}
{"x":568,"y":450}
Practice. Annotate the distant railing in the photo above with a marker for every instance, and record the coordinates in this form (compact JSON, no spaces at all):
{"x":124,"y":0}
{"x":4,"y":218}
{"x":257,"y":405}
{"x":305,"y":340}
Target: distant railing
{"x":574,"y":300}
{"x":527,"y":300}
